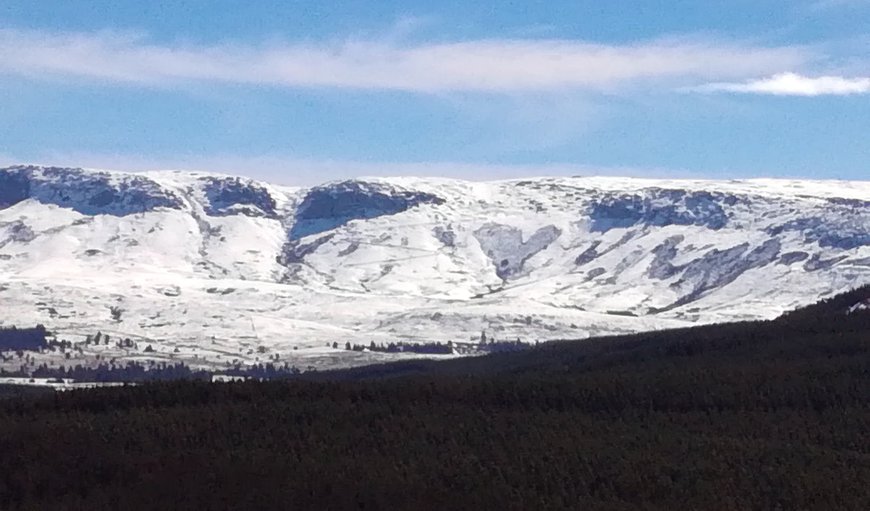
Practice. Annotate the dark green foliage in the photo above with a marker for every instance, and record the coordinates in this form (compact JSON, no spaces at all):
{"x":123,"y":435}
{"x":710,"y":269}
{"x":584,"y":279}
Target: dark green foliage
{"x":8,"y":391}
{"x":835,"y":306}
{"x":769,"y":415}
{"x":29,"y":339}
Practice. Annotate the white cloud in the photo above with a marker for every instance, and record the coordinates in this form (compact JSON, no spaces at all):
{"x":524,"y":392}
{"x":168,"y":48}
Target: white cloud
{"x":791,"y":84}
{"x":494,"y":65}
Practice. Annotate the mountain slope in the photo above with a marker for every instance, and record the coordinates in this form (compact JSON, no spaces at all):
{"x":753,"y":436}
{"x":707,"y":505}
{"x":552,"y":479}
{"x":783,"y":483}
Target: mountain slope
{"x":213,"y":269}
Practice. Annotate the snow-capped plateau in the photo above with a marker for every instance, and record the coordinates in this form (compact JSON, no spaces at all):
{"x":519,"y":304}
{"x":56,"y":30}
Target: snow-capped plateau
{"x":213,"y":270}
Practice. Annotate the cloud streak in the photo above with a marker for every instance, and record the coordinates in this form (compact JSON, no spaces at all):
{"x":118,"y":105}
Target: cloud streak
{"x":791,"y":84}
{"x":492,"y":65}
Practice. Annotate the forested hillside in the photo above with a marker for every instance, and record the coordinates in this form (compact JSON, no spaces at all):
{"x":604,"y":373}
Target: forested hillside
{"x":765,"y":415}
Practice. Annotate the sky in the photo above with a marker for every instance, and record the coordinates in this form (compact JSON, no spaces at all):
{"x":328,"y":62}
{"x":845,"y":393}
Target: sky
{"x":300,"y":92}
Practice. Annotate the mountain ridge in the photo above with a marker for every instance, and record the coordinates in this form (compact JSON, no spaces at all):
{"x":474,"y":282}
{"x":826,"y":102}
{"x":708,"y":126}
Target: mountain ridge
{"x":215,"y":266}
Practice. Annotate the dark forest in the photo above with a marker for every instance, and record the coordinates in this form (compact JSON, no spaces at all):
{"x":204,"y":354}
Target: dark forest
{"x":761,"y":415}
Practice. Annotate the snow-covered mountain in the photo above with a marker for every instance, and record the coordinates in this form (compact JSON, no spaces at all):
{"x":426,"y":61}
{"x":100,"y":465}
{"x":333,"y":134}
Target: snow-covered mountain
{"x":211,"y":268}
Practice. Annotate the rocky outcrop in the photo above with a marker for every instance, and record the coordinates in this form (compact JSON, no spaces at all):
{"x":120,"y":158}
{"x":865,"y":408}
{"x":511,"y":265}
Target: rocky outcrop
{"x":235,"y":196}
{"x":446,"y":235}
{"x":295,"y":251}
{"x":87,"y":192}
{"x":661,"y":267}
{"x":718,"y":268}
{"x":791,"y":258}
{"x":326,"y":207}
{"x":846,"y":227}
{"x":588,"y":255}
{"x":505,"y":247}
{"x":657,"y":207}
{"x":14,"y":187}
{"x":16,"y":232}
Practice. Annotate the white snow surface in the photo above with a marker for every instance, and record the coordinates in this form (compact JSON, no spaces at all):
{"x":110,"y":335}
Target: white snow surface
{"x":860,"y":306}
{"x":535,"y":259}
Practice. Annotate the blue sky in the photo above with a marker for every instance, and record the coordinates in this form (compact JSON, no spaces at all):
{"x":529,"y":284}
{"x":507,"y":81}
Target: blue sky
{"x":300,"y":92}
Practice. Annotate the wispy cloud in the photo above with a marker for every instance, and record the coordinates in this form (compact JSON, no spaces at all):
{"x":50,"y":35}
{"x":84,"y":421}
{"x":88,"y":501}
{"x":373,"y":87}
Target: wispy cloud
{"x":791,"y":84}
{"x":492,"y":65}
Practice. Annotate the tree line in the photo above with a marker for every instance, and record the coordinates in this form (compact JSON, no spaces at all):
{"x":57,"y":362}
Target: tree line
{"x":755,"y":415}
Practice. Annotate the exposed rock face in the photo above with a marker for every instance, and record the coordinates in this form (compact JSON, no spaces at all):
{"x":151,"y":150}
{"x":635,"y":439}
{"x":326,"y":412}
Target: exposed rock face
{"x":817,"y":262}
{"x":295,"y":250}
{"x":659,"y":208}
{"x":445,"y":235}
{"x":790,"y":258}
{"x":16,"y":231}
{"x":845,"y":228}
{"x":21,"y":233}
{"x":860,"y":262}
{"x":588,"y":255}
{"x":720,"y":267}
{"x":595,"y":273}
{"x":327,"y":207}
{"x":14,"y":187}
{"x":232,"y":196}
{"x":504,"y":245}
{"x":89,"y":193}
{"x":661,"y":267}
